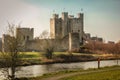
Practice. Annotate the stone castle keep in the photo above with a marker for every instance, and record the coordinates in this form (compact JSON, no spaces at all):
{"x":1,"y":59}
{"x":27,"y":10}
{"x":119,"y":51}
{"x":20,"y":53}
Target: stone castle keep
{"x":67,"y":30}
{"x":61,"y":27}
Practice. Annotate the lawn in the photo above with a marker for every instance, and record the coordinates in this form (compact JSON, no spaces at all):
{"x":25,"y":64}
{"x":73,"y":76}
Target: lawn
{"x":30,"y":54}
{"x":39,"y":54}
{"x":108,"y":75}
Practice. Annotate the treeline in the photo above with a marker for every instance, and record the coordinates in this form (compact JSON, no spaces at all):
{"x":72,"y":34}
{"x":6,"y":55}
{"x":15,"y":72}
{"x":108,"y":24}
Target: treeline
{"x":99,"y":47}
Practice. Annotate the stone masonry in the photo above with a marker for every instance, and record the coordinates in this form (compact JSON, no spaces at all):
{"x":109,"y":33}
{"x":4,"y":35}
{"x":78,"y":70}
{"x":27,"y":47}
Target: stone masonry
{"x":62,"y":26}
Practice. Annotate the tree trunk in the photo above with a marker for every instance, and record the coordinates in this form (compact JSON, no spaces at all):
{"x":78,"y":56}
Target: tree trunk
{"x":12,"y":73}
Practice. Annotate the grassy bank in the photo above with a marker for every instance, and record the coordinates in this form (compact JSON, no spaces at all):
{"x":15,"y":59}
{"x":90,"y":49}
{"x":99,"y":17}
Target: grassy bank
{"x":32,"y":58}
{"x":94,"y":74}
{"x":62,"y":57}
{"x":107,"y":75}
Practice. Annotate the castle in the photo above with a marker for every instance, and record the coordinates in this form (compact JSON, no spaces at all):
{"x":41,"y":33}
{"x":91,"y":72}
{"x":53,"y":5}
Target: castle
{"x":67,"y":30}
{"x":60,"y":27}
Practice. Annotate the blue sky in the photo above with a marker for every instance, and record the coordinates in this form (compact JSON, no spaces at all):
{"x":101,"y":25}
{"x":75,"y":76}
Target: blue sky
{"x":101,"y":17}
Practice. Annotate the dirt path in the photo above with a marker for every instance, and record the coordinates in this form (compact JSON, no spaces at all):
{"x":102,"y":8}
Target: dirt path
{"x":76,"y":73}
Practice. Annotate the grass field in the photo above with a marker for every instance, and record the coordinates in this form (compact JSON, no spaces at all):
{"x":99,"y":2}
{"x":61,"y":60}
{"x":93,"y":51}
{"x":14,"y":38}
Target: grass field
{"x":39,"y":54}
{"x":31,"y":54}
{"x":108,"y":75}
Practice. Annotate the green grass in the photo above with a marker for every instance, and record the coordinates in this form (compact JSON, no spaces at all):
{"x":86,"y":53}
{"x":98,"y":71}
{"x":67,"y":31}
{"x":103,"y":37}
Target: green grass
{"x":108,"y":75}
{"x":30,"y":55}
{"x":39,"y":54}
{"x":51,"y":75}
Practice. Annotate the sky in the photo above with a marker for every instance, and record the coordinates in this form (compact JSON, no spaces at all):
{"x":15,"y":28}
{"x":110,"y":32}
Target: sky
{"x":101,"y":17}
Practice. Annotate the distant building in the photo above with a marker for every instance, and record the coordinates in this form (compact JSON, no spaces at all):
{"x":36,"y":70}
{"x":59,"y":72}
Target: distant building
{"x":88,"y":36}
{"x":97,"y":39}
{"x":111,"y":42}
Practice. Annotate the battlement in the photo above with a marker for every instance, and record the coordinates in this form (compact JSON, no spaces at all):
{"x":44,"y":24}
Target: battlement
{"x":65,"y":15}
{"x":25,"y":29}
{"x":71,"y":16}
{"x":80,"y":15}
{"x":55,"y":16}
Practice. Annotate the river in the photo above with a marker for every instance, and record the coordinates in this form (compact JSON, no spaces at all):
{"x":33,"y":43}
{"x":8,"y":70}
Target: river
{"x":38,"y":70}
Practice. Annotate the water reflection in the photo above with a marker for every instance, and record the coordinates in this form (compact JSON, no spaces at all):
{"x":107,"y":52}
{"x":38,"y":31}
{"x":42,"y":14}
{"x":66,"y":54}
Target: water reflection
{"x":37,"y":70}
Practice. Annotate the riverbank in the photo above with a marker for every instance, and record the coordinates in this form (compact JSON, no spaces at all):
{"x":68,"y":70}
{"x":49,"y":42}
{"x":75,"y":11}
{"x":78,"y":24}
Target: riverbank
{"x":27,"y":62}
{"x":36,"y":58}
{"x":63,"y":57}
{"x":110,"y":72}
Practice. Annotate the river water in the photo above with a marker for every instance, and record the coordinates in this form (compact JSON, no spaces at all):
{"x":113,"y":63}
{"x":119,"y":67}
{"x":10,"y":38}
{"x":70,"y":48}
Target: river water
{"x":38,"y":70}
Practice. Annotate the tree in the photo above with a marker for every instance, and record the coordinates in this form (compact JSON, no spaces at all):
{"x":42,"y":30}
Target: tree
{"x":117,"y":51}
{"x":10,"y":58}
{"x":48,"y":45}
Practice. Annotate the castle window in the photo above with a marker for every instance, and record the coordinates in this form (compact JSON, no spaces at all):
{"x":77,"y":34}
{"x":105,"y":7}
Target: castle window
{"x":24,"y":37}
{"x":72,"y":30}
{"x":27,"y":37}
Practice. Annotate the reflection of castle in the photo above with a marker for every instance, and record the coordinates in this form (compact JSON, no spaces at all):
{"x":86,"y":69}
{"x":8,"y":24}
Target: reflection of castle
{"x":67,"y":29}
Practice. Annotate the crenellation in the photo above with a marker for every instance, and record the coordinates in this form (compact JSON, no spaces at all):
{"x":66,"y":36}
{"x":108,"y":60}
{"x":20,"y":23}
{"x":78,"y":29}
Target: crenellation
{"x":71,"y":16}
{"x":55,"y":16}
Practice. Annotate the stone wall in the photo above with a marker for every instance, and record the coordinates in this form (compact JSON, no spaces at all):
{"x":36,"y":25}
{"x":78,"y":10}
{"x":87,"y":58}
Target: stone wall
{"x":57,"y":44}
{"x":70,"y":42}
{"x":42,"y":44}
{"x":6,"y":41}
{"x":25,"y":33}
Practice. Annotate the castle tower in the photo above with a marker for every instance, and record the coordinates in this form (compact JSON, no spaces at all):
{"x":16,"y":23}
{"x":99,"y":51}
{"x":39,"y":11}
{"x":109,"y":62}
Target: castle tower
{"x":81,"y":33}
{"x":61,"y":27}
{"x":64,"y":24}
{"x":24,"y":34}
{"x":55,"y":26}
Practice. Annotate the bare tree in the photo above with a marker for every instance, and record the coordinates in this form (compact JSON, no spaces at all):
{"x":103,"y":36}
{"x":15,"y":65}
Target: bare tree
{"x":48,"y":45}
{"x":117,"y":51}
{"x":10,"y":58}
